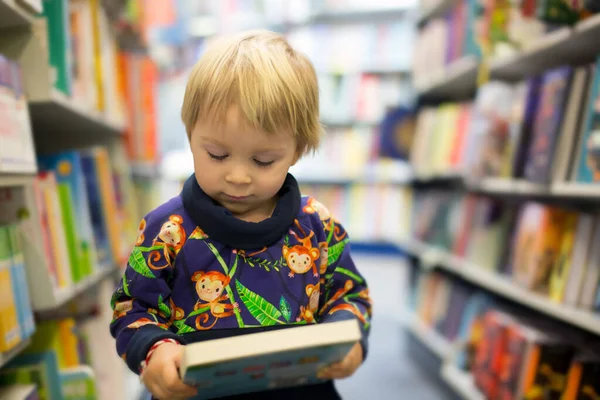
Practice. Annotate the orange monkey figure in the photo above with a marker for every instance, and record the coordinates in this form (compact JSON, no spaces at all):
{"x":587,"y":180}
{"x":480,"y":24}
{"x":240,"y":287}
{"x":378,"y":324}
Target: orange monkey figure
{"x":171,"y":238}
{"x":348,"y":286}
{"x":301,"y":257}
{"x":313,"y":206}
{"x":308,"y":313}
{"x":210,"y":287}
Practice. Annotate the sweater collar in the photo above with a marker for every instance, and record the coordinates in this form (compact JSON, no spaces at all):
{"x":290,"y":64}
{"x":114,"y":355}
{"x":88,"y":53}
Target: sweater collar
{"x":219,"y":224}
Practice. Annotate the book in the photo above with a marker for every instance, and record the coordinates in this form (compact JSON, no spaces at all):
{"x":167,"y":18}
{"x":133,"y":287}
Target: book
{"x":78,"y":383}
{"x":266,"y":360}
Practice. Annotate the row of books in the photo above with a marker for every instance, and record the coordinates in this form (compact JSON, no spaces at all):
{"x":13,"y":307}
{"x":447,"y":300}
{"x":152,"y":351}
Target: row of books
{"x":369,"y":212}
{"x":17,"y":153}
{"x":542,"y":130}
{"x":546,"y":249}
{"x":57,"y":363}
{"x":360,"y":98}
{"x":494,"y":29}
{"x":445,"y":40}
{"x":374,"y":46}
{"x":77,"y":217}
{"x":16,"y":316}
{"x":83,"y":54}
{"x":510,"y":354}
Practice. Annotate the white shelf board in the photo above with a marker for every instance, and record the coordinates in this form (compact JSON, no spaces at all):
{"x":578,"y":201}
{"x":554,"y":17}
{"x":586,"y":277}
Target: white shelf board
{"x":59,"y":117}
{"x":431,"y":339}
{"x":461,"y":382}
{"x":579,"y":190}
{"x":562,"y":47}
{"x":457,"y":80}
{"x":66,"y":295}
{"x":8,"y":180}
{"x":509,"y":186}
{"x":505,"y":287}
{"x":5,"y":358}
{"x":438,"y":9}
{"x":13,"y":15}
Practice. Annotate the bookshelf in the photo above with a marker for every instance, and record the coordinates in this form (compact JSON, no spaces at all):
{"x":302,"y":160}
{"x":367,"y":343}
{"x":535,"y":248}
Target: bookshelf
{"x":456,"y":81}
{"x":433,"y":257}
{"x":69,"y":113}
{"x":435,"y":342}
{"x":434,"y":9}
{"x":5,"y":358}
{"x":565,"y":45}
{"x":13,"y":15}
{"x":460,"y":382}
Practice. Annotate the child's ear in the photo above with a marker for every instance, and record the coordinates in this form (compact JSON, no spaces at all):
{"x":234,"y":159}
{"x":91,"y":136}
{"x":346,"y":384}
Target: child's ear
{"x":297,"y":156}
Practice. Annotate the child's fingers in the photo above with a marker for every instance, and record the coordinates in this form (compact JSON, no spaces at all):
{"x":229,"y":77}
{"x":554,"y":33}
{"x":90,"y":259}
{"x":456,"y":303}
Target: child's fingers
{"x":175,"y":386}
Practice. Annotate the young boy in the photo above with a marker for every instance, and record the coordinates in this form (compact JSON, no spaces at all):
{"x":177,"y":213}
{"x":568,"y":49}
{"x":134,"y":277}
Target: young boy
{"x":240,"y":230}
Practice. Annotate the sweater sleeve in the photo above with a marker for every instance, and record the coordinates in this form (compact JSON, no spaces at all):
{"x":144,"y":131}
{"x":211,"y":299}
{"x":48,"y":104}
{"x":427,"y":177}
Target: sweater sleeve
{"x":345,"y":294}
{"x":143,"y":312}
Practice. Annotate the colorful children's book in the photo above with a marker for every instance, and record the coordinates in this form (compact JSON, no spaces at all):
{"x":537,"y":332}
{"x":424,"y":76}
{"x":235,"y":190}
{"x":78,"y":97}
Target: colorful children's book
{"x":266,"y":360}
{"x":588,"y":168}
{"x":74,"y":203}
{"x":20,"y":286}
{"x":553,"y":97}
{"x":10,"y":334}
{"x":78,"y":383}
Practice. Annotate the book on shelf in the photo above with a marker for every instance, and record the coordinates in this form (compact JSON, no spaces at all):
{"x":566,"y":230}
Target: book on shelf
{"x":17,"y":152}
{"x":266,"y":360}
{"x":510,"y":353}
{"x":544,"y":249}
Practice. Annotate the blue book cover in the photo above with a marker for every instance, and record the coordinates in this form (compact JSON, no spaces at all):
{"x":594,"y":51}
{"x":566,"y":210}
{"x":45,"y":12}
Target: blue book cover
{"x":268,"y":360}
{"x":68,"y":170}
{"x":548,"y":122}
{"x":588,"y":169}
{"x":103,"y":249}
{"x":23,"y":301}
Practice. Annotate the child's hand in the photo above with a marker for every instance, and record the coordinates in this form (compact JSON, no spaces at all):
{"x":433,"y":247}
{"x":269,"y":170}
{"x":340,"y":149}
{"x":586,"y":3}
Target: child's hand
{"x":161,"y":375}
{"x":346,"y":367}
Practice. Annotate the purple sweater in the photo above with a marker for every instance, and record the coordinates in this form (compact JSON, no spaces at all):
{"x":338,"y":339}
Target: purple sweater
{"x":198,"y":273}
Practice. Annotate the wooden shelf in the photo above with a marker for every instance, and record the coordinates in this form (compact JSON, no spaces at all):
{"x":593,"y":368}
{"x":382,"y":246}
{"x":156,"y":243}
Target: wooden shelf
{"x":12,"y":15}
{"x":434,"y":257}
{"x":5,"y":358}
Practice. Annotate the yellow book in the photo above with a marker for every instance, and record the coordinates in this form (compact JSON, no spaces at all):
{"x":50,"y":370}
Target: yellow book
{"x":10,"y":334}
{"x":69,"y":355}
{"x":562,"y":264}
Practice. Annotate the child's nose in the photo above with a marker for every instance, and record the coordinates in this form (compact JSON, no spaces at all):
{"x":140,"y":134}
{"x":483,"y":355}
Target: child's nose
{"x":238,"y":176}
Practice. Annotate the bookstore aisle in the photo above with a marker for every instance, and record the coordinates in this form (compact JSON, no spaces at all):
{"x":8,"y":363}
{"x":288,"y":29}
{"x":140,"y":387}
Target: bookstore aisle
{"x":389,"y":372}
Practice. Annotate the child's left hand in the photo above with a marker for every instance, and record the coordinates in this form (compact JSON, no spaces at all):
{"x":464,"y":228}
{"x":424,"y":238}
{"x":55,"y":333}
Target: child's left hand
{"x":346,"y":367}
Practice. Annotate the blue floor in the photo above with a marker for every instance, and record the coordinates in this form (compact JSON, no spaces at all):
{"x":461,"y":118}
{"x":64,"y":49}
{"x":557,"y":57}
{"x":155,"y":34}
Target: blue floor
{"x":388,"y":372}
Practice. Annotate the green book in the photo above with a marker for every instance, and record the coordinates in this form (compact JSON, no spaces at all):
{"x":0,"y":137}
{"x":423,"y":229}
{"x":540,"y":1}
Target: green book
{"x":59,"y":44}
{"x":73,"y":246}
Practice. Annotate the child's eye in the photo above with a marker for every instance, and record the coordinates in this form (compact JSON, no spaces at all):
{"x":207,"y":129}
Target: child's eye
{"x":218,"y":158}
{"x":263,"y":163}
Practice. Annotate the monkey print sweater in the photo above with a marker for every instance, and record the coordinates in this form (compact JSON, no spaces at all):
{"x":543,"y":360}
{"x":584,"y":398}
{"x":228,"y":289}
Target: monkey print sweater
{"x":197,"y":273}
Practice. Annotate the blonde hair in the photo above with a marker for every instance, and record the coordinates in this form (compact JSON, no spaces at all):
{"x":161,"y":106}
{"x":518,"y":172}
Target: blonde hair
{"x":274,"y":87}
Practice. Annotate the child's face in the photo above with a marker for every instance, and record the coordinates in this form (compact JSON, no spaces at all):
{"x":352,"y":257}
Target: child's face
{"x":240,"y":167}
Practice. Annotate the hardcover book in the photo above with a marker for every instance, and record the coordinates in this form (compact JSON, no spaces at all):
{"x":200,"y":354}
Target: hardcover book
{"x":266,"y":360}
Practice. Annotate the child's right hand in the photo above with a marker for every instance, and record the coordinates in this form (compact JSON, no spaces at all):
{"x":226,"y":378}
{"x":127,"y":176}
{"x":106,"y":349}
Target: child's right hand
{"x":161,"y":376}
